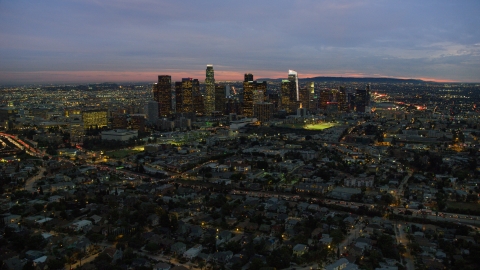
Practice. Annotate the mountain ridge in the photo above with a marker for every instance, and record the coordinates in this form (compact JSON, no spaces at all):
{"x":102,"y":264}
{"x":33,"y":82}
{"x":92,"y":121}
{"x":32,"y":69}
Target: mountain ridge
{"x":353,"y":79}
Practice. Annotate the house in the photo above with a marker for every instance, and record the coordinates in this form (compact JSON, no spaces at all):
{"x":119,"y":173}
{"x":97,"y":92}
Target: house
{"x":140,"y":263}
{"x":162,"y":266}
{"x":223,"y":237}
{"x":222,"y":256}
{"x":84,"y":245}
{"x":55,"y":198}
{"x":300,"y":249}
{"x":178,"y":248}
{"x":291,"y":223}
{"x":371,"y":228}
{"x":81,"y":225}
{"x":341,"y":264}
{"x":114,"y":254}
{"x":96,"y":219}
{"x":33,"y":254}
{"x":193,"y":252}
{"x":153,"y":219}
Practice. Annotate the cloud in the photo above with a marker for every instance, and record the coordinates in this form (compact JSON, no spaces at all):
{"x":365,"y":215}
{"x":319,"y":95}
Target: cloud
{"x":324,"y":37}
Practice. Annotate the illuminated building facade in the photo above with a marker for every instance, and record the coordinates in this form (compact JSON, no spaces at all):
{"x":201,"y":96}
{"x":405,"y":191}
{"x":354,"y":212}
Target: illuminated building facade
{"x":253,"y":92}
{"x":95,"y":119}
{"x":209,"y":91}
{"x":184,"y":92}
{"x":162,"y":94}
{"x":342,"y":99}
{"x":305,"y":98}
{"x":293,"y":77}
{"x":198,"y":100}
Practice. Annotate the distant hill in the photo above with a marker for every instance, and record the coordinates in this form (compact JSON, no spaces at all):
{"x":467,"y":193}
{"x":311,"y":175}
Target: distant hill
{"x":352,"y":79}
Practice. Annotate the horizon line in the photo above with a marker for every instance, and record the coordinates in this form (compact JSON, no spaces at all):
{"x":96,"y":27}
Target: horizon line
{"x":93,"y":77}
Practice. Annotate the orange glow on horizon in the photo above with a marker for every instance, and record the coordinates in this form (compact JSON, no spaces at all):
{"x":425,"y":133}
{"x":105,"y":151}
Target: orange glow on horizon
{"x":151,"y":76}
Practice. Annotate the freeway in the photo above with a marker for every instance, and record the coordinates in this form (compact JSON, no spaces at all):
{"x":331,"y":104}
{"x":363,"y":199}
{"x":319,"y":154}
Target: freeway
{"x":22,"y":145}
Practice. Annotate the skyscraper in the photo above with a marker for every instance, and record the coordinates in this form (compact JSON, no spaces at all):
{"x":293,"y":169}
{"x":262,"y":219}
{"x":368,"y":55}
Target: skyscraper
{"x":293,"y":76}
{"x":253,"y":92}
{"x":360,"y":100}
{"x":152,"y":111}
{"x":184,"y":96}
{"x":248,"y":96}
{"x":220,"y":98}
{"x":162,"y":93}
{"x":209,"y":91}
{"x":198,"y":105}
{"x":342,"y":99}
{"x":290,"y":95}
{"x":313,"y":106}
{"x":305,"y":97}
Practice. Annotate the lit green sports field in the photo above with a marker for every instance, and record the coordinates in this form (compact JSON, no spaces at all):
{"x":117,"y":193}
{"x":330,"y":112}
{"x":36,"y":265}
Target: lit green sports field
{"x":319,"y":126}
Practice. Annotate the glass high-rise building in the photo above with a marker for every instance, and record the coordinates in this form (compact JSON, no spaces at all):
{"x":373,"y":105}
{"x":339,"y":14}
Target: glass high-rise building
{"x":209,"y":91}
{"x":361,"y":100}
{"x":162,"y":94}
{"x":187,"y":94}
{"x":220,"y":98}
{"x":293,"y":76}
{"x":251,"y":91}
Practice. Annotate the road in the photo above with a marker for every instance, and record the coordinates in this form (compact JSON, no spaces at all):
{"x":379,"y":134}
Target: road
{"x":402,"y":239}
{"x":354,"y":233}
{"x":30,"y":183}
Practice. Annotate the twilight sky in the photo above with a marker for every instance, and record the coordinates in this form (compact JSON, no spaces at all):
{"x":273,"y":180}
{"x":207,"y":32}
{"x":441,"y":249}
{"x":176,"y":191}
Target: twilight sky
{"x":52,"y":41}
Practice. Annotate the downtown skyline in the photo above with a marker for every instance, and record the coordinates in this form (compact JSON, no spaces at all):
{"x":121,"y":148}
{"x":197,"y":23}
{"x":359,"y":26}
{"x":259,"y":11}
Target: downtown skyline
{"x":98,"y":41}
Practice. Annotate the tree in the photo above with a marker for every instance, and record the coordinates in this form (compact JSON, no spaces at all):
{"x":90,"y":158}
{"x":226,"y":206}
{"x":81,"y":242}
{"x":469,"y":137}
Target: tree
{"x":280,"y":258}
{"x":337,"y":237}
{"x":28,"y":266}
{"x":152,"y":246}
{"x":256,"y":264}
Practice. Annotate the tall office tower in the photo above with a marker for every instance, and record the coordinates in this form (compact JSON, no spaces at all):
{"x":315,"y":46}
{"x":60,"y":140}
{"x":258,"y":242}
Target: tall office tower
{"x":233,"y":106}
{"x":152,"y":111}
{"x":293,"y":76}
{"x":351,"y":101}
{"x":220,"y":98}
{"x":248,"y":96}
{"x":313,"y":98}
{"x":162,"y":93}
{"x":342,"y":99}
{"x":285,"y":95}
{"x":305,"y":98}
{"x":261,"y":88}
{"x":253,"y":92}
{"x":367,"y":97}
{"x":360,"y":100}
{"x":228,"y":91}
{"x":325,"y":98}
{"x":209,"y":91}
{"x":184,"y":96}
{"x":198,"y":103}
